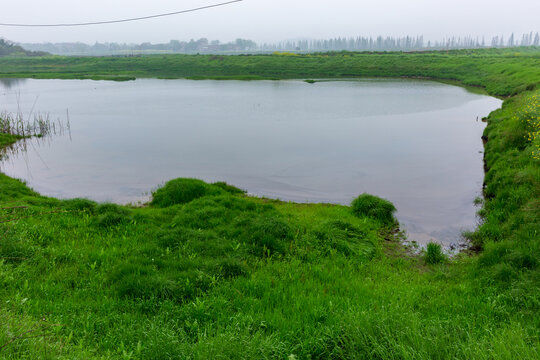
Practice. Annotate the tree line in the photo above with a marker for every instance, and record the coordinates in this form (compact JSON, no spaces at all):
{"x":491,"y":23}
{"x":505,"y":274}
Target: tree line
{"x":405,"y":43}
{"x":203,"y":45}
{"x":8,"y":48}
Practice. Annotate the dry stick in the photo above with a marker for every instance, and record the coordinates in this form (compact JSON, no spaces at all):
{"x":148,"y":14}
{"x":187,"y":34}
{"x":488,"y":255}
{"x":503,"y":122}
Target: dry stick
{"x":68,"y":124}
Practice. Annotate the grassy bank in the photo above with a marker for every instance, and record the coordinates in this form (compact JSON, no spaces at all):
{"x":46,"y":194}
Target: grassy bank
{"x":502,"y":72}
{"x":206,"y":272}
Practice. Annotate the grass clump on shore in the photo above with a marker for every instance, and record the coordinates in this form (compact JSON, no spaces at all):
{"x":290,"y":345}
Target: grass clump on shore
{"x":181,"y":191}
{"x":374,"y":207}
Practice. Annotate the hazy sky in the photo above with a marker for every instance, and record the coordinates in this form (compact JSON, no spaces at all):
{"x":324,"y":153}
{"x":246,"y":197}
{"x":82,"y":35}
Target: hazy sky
{"x":269,"y":20}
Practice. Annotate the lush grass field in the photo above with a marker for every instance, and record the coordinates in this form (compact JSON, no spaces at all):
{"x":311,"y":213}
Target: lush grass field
{"x":206,"y":272}
{"x":502,"y":72}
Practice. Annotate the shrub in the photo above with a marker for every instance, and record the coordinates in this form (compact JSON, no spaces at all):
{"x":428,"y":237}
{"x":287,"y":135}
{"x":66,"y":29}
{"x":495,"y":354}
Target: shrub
{"x":434,"y":254}
{"x":374,"y":207}
{"x":182,"y":191}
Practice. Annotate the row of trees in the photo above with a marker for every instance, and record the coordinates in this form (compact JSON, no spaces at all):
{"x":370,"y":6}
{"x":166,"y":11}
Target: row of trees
{"x":203,"y":45}
{"x":406,"y":43}
{"x":8,"y":48}
{"x":379,"y":43}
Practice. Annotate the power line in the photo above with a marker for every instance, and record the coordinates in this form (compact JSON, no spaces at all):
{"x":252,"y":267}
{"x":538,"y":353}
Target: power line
{"x":123,"y":20}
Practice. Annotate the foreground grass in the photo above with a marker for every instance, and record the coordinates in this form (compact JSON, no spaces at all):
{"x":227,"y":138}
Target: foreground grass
{"x":225,"y":276}
{"x":216,"y":274}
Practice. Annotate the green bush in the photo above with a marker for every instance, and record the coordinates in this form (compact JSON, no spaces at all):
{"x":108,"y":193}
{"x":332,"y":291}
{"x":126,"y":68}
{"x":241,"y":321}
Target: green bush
{"x":182,"y":191}
{"x":434,"y":254}
{"x":374,"y":207}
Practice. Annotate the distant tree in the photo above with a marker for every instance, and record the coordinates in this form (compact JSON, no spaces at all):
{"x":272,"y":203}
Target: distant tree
{"x":525,"y":40}
{"x":175,"y":45}
{"x":511,"y":40}
{"x":244,"y":45}
{"x":9,"y":48}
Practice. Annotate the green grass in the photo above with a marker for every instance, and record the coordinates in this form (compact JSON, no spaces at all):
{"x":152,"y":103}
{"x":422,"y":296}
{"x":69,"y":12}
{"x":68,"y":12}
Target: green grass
{"x":205,"y":271}
{"x":434,"y":254}
{"x":374,"y":207}
{"x":501,"y":72}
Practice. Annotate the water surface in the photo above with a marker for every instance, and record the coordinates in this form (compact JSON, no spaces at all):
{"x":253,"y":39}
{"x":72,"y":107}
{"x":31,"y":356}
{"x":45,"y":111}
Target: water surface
{"x":416,"y":143}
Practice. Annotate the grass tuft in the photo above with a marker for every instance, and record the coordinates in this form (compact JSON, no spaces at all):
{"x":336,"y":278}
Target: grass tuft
{"x":374,"y":207}
{"x":434,"y":254}
{"x":182,"y":191}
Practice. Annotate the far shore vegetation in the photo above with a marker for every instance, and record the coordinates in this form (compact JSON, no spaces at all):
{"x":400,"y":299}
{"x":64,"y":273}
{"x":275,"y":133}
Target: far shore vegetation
{"x":204,"y":271}
{"x":502,"y":72}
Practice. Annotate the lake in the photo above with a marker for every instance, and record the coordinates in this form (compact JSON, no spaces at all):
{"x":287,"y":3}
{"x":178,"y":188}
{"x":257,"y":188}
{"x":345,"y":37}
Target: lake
{"x":415,"y":143}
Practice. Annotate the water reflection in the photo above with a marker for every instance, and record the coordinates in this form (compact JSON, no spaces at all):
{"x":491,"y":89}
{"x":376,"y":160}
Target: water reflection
{"x":8,"y":83}
{"x":20,"y":148}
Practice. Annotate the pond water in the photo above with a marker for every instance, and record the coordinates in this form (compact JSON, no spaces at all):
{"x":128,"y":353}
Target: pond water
{"x":416,"y":143}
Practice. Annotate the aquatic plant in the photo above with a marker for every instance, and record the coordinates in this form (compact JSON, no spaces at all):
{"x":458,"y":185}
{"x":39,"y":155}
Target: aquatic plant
{"x":39,"y":125}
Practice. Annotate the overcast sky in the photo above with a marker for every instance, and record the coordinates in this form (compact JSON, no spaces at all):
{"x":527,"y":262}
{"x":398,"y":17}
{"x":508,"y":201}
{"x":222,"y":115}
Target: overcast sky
{"x":268,"y":20}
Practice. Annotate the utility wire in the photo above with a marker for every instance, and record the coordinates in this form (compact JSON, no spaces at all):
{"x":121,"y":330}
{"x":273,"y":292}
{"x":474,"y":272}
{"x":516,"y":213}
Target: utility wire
{"x":123,"y":20}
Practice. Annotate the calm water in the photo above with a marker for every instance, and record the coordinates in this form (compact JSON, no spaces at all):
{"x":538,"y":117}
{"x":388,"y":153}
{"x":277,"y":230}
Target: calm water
{"x":416,"y":143}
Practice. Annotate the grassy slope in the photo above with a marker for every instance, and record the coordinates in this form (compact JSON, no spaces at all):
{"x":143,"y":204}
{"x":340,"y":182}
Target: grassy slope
{"x":238,"y":277}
